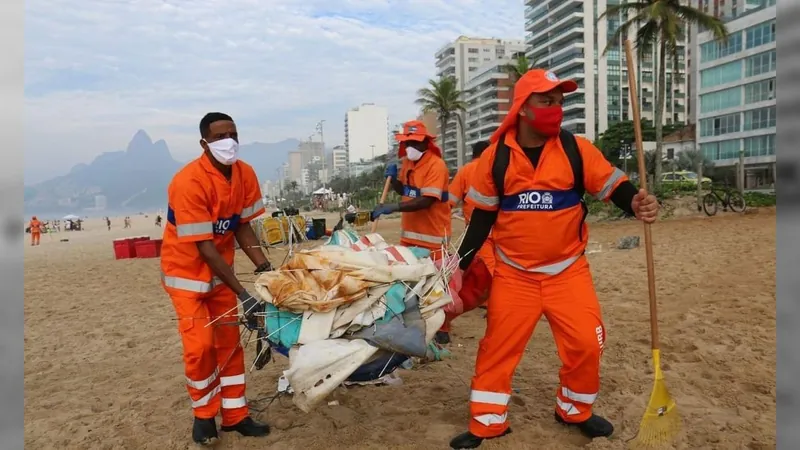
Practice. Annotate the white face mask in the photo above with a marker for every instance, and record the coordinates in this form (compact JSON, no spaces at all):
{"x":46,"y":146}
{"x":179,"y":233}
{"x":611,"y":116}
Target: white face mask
{"x":413,"y":154}
{"x":226,"y":151}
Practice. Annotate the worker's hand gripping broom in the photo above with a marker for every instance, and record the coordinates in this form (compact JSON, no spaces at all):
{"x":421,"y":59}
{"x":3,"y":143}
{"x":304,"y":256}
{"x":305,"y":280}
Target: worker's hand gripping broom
{"x":661,"y":421}
{"x":386,"y":186}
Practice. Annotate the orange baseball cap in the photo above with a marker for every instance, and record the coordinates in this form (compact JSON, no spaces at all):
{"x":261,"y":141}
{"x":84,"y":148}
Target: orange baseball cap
{"x":535,"y":81}
{"x":416,"y":131}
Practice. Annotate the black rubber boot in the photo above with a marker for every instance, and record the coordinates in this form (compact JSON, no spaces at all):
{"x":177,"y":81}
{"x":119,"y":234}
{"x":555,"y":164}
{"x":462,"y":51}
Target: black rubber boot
{"x":595,"y":426}
{"x":469,"y":440}
{"x":442,"y":337}
{"x":204,"y":432}
{"x":248,"y":427}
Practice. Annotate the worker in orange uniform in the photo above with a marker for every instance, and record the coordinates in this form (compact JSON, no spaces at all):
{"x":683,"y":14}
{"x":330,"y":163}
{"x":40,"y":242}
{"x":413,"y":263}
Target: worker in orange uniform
{"x":528,"y":191}
{"x":422,"y":183}
{"x":36,"y":230}
{"x":211,"y":200}
{"x":475,"y":287}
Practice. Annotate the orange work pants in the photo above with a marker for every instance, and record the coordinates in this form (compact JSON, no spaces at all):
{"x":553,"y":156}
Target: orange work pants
{"x":475,"y":288}
{"x":212,"y":357}
{"x":35,"y":236}
{"x":517,"y":301}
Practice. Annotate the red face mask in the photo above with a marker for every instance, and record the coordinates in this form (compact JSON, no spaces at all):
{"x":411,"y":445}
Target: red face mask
{"x":546,"y":120}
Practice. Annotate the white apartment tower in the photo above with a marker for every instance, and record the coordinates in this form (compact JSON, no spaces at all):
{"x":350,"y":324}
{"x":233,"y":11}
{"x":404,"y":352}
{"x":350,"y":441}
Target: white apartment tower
{"x":339,"y":165}
{"x":566,"y":37}
{"x":366,"y":132}
{"x":461,"y":59}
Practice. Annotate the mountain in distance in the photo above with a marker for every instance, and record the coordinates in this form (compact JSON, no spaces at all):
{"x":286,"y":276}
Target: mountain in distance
{"x":135,"y":179}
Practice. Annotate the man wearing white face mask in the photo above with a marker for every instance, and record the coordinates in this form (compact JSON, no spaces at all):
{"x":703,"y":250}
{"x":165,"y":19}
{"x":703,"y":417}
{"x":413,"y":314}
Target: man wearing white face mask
{"x":211,"y":201}
{"x":422,"y":182}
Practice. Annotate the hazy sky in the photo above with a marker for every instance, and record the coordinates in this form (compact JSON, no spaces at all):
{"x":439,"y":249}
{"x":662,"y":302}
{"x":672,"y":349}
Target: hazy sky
{"x":98,"y":70}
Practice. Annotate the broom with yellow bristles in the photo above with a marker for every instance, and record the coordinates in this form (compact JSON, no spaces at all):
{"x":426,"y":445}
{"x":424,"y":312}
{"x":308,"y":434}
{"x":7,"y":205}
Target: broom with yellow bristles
{"x":661,"y":421}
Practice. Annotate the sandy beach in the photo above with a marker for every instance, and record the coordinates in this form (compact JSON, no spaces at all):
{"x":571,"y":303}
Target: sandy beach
{"x":103,"y":363}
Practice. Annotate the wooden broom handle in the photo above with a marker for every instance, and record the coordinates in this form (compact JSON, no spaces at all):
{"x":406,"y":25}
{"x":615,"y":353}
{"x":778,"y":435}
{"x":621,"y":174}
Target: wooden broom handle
{"x":648,"y":238}
{"x":386,"y":186}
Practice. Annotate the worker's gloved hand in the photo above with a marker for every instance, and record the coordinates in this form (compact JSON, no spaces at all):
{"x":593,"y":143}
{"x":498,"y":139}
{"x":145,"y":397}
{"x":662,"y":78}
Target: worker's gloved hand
{"x":382,"y":210}
{"x":250,"y":307}
{"x":391,"y":171}
{"x":266,"y":267}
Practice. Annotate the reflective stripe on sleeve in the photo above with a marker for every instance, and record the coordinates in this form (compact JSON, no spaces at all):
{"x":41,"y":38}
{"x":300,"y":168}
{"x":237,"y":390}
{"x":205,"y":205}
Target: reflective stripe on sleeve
{"x":454,"y":199}
{"x":233,"y":403}
{"x":250,"y":210}
{"x":612,"y":180}
{"x":549,"y":269}
{"x":194,"y":229}
{"x":485,"y":200}
{"x":492,"y":398}
{"x":431,"y":191}
{"x":425,"y":237}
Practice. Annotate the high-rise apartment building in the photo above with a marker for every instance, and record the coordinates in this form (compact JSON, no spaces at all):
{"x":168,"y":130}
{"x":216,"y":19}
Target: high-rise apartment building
{"x":736,"y":105}
{"x":488,"y":97}
{"x":295,"y":167}
{"x":310,"y":150}
{"x":366,"y":132}
{"x":566,"y":37}
{"x":339,"y":165}
{"x":461,"y":59}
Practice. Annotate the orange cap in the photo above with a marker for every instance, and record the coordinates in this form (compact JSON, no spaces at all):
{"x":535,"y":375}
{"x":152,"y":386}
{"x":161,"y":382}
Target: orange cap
{"x":414,"y":130}
{"x":535,"y":81}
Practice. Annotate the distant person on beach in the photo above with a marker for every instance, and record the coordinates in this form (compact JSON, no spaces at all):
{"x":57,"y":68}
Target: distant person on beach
{"x":108,"y":222}
{"x":36,"y":230}
{"x":211,"y":202}
{"x":158,"y":220}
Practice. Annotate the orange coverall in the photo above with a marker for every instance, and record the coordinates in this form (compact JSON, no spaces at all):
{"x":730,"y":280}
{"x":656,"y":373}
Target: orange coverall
{"x":429,"y":228}
{"x":36,"y":230}
{"x":476,"y":285}
{"x":204,"y":205}
{"x":540,"y":237}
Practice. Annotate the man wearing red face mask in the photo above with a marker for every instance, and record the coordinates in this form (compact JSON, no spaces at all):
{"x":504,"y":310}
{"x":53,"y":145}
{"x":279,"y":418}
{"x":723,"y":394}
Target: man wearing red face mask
{"x":528,"y":190}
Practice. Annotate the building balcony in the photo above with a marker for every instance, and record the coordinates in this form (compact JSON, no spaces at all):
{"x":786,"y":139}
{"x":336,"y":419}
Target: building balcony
{"x":556,"y":24}
{"x":555,"y":39}
{"x":555,"y":9}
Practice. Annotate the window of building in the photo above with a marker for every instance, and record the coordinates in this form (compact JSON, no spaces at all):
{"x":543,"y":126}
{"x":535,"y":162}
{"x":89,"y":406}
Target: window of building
{"x":760,"y":34}
{"x":726,"y":98}
{"x":759,"y":145}
{"x":717,"y":126}
{"x":487,"y":50}
{"x":472,"y":60}
{"x":759,"y":118}
{"x":710,"y":51}
{"x":726,"y":73}
{"x":760,"y":91}
{"x":761,"y":63}
{"x":472,"y":50}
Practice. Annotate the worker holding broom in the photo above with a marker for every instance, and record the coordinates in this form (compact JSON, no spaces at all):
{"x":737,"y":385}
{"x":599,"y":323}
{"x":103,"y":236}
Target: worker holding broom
{"x":527,"y":191}
{"x":211,"y":201}
{"x":422,"y":183}
{"x":475,"y":286}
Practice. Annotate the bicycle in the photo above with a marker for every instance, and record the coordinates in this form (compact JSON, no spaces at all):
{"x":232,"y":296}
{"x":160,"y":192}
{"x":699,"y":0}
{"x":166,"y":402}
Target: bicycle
{"x":730,"y":199}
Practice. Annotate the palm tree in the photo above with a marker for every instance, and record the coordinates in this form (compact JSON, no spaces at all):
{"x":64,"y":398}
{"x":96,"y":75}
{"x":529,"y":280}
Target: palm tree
{"x":444,"y":99}
{"x":519,"y":65}
{"x":662,"y":26}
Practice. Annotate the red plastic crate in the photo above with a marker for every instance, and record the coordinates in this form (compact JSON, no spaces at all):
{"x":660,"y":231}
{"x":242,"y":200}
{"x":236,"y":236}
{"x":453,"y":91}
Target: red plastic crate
{"x":148,"y":249}
{"x":124,"y":249}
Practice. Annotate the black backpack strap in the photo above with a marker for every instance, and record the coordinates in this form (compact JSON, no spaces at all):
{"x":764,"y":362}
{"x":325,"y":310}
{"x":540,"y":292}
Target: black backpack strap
{"x":570,"y":145}
{"x":502,"y":156}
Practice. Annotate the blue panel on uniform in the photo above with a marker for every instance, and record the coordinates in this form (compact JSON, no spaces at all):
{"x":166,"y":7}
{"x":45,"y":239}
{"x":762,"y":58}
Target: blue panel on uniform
{"x":412,"y":192}
{"x":540,"y":200}
{"x":225,"y":224}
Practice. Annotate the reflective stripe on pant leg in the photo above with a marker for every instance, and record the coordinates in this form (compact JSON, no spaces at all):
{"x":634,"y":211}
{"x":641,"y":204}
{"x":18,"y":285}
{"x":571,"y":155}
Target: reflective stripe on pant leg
{"x":573,"y":312}
{"x":230,"y":358}
{"x":514,"y":309}
{"x":199,"y":355}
